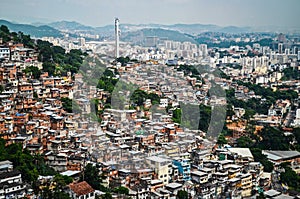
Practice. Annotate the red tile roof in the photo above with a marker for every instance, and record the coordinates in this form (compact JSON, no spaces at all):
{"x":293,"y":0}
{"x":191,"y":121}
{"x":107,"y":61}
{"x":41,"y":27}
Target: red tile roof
{"x":81,"y":188}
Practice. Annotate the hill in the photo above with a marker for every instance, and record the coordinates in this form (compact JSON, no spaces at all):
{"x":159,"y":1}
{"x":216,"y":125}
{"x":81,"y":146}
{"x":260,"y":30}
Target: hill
{"x":192,"y":29}
{"x":139,"y":35}
{"x":34,"y":31}
{"x":70,"y":26}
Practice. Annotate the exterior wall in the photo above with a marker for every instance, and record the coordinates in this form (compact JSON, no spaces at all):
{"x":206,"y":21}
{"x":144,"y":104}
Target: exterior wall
{"x":184,"y":168}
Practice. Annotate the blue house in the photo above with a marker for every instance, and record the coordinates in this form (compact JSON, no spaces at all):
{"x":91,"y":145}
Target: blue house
{"x":184,"y":168}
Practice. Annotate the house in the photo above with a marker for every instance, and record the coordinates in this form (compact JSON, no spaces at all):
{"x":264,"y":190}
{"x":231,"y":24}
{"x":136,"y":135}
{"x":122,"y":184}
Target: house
{"x":81,"y":190}
{"x":161,"y":167}
{"x":246,"y":184}
{"x":4,"y":53}
{"x":6,"y":166}
{"x":73,"y":174}
{"x":184,"y":168}
{"x":174,"y":187}
{"x":241,"y":155}
{"x":282,"y":156}
{"x":140,"y":190}
{"x":199,"y":177}
{"x":11,"y":185}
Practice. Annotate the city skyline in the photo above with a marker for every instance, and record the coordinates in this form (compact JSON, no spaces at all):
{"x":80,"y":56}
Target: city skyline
{"x":99,"y":13}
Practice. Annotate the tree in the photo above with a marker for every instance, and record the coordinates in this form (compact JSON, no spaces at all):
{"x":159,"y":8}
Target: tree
{"x":177,"y":115}
{"x":296,"y":133}
{"x":259,"y":157}
{"x":155,"y":99}
{"x":35,"y":71}
{"x":62,"y":180}
{"x":107,"y":196}
{"x":123,"y":60}
{"x":273,"y":139}
{"x":91,"y":176}
{"x":22,"y":160}
{"x":261,"y":196}
{"x":61,"y":195}
{"x":49,"y":67}
{"x":244,"y":142}
{"x":1,"y":88}
{"x":181,"y":194}
{"x":4,"y":29}
{"x":121,"y":191}
{"x":138,"y":97}
{"x":4,"y":33}
{"x":70,"y":105}
{"x":108,"y":81}
{"x":205,"y":116}
{"x":42,"y":168}
{"x":290,"y":177}
{"x":221,"y":140}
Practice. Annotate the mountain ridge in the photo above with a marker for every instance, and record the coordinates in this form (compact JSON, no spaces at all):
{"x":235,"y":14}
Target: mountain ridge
{"x":184,"y":28}
{"x":34,"y":31}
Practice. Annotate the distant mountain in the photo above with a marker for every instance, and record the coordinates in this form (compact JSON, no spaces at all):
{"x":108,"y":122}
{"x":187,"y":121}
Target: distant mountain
{"x":192,"y":29}
{"x":139,"y":35}
{"x":33,"y":31}
{"x":70,"y":26}
{"x":235,"y":29}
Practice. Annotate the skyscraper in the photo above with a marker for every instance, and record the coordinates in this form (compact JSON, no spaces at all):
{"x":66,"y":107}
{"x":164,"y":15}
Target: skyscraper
{"x":203,"y":50}
{"x":151,"y":41}
{"x":81,"y":41}
{"x":117,"y":35}
{"x":280,"y":48}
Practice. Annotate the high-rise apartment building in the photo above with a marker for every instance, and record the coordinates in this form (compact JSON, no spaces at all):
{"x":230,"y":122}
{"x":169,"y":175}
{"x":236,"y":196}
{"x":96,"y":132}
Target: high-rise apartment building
{"x":117,"y":36}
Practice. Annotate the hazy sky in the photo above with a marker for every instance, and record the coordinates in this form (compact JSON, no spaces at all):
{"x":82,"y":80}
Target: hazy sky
{"x":284,"y":13}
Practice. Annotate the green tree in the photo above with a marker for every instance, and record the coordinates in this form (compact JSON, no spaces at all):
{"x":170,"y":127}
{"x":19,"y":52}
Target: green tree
{"x":296,"y":133}
{"x":70,"y":105}
{"x":91,"y":176}
{"x":205,"y":116}
{"x":123,"y":60}
{"x":62,"y":180}
{"x":176,"y":115}
{"x":107,"y":196}
{"x":290,"y":177}
{"x":42,"y":168}
{"x":181,"y":194}
{"x":290,"y":74}
{"x":273,"y":139}
{"x":138,"y":97}
{"x":4,"y":29}
{"x":107,"y":82}
{"x":155,"y":99}
{"x":35,"y":72}
{"x":22,"y":160}
{"x":221,"y":139}
{"x":49,"y":67}
{"x":244,"y":142}
{"x":121,"y":190}
{"x":259,"y":157}
{"x":4,"y":34}
{"x":1,"y":88}
{"x":61,"y":195}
